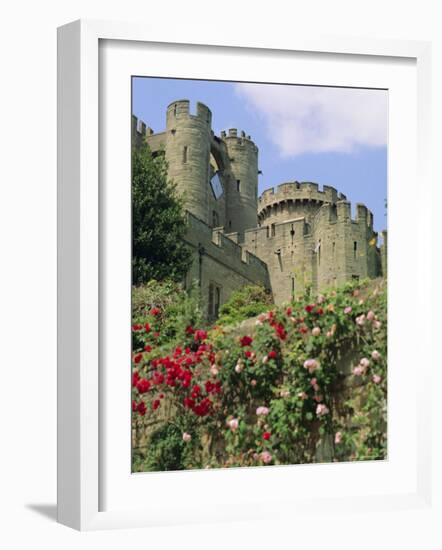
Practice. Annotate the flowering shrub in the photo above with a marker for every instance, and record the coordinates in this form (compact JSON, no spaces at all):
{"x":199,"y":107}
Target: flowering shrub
{"x":307,"y":384}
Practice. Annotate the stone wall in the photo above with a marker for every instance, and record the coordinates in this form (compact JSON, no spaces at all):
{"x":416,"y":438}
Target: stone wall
{"x":220,"y":261}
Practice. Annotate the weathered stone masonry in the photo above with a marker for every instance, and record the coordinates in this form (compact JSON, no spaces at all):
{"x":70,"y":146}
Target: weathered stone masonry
{"x":293,"y":237}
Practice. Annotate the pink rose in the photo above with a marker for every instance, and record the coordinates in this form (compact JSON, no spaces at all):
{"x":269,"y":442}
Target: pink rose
{"x":233,"y":424}
{"x":322,"y":409}
{"x":377,"y":325}
{"x":358,"y":371}
{"x":348,"y":309}
{"x":375,"y":355}
{"x":214,"y":370}
{"x":364,"y":362}
{"x":311,"y":365}
{"x":186,"y":437}
{"x":239,"y":367}
{"x":376,"y":378}
{"x":370,"y":316}
{"x":302,"y":395}
{"x":360,"y":320}
{"x":338,"y":438}
{"x":262,"y":411}
{"x":266,"y":457}
{"x":316,"y":331}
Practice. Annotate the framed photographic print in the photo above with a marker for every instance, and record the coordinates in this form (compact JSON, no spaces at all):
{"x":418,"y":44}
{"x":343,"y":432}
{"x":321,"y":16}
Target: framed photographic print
{"x":231,"y":304}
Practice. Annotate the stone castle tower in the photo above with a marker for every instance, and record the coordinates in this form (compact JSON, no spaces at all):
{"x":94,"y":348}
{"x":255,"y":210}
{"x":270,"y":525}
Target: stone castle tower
{"x":290,"y":238}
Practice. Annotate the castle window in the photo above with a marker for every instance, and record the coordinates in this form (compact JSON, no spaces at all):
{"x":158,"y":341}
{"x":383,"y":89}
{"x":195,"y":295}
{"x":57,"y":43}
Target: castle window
{"x":214,"y":300}
{"x":216,"y":185}
{"x":334,"y":249}
{"x":211,"y":298}
{"x":273,"y":230}
{"x":215,"y":219}
{"x":174,"y":109}
{"x":238,"y":185}
{"x":292,"y":233}
{"x":185,"y":154}
{"x":230,"y":224}
{"x":267,"y":231}
{"x":355,"y":249}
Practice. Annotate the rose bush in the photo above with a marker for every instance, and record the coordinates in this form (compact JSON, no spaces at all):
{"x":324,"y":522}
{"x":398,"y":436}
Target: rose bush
{"x":307,"y":384}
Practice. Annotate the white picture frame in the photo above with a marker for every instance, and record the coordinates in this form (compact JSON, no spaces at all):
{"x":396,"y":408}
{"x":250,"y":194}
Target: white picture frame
{"x":80,"y":438}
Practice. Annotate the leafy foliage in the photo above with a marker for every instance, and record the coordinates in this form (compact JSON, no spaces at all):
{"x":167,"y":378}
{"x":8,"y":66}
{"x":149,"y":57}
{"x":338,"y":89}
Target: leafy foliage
{"x":245,"y":303}
{"x":158,"y":222}
{"x":166,"y":310}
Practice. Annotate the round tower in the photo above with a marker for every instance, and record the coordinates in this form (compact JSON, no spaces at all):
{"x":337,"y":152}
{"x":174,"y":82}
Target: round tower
{"x":242,"y":193}
{"x":188,"y":154}
{"x":294,"y":200}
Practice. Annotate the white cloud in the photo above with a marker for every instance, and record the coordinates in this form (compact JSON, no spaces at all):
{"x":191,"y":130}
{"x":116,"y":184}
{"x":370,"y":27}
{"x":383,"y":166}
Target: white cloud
{"x":311,"y":119}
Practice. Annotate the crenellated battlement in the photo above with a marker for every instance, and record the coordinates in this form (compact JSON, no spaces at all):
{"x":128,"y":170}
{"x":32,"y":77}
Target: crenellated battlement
{"x":341,"y":212}
{"x":239,"y":138}
{"x":140,"y":127}
{"x":299,"y":191}
{"x":180,"y":109}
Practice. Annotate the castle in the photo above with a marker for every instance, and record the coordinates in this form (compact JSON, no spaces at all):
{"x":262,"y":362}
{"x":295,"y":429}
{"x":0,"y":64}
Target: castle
{"x":290,"y":238}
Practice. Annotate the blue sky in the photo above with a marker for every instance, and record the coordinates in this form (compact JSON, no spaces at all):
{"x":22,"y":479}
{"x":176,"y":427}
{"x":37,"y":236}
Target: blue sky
{"x":331,"y":136}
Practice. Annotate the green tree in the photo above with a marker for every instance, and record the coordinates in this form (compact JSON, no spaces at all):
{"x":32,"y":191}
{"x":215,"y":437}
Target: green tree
{"x":158,"y":222}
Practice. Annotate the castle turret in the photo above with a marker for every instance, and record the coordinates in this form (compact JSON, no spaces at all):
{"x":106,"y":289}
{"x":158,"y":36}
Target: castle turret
{"x":188,"y":153}
{"x":294,"y":200}
{"x":242,"y":192}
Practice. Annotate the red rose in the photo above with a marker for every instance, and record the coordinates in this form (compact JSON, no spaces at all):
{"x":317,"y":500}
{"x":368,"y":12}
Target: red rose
{"x":147,"y":327}
{"x":272,"y":355}
{"x":148,"y":348}
{"x":158,"y":378}
{"x":189,"y":403}
{"x":135,"y":378}
{"x":141,"y":408}
{"x":137,"y":327}
{"x":289,"y":311}
{"x":156,"y":404}
{"x":280,"y":331}
{"x":200,"y":335}
{"x":155,"y":311}
{"x":266,"y":436}
{"x":138,"y":358}
{"x":246,"y":341}
{"x":143,"y":385}
{"x":134,"y":406}
{"x":190,"y":330}
{"x":309,"y":308}
{"x":319,"y":311}
{"x":248,"y":354}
